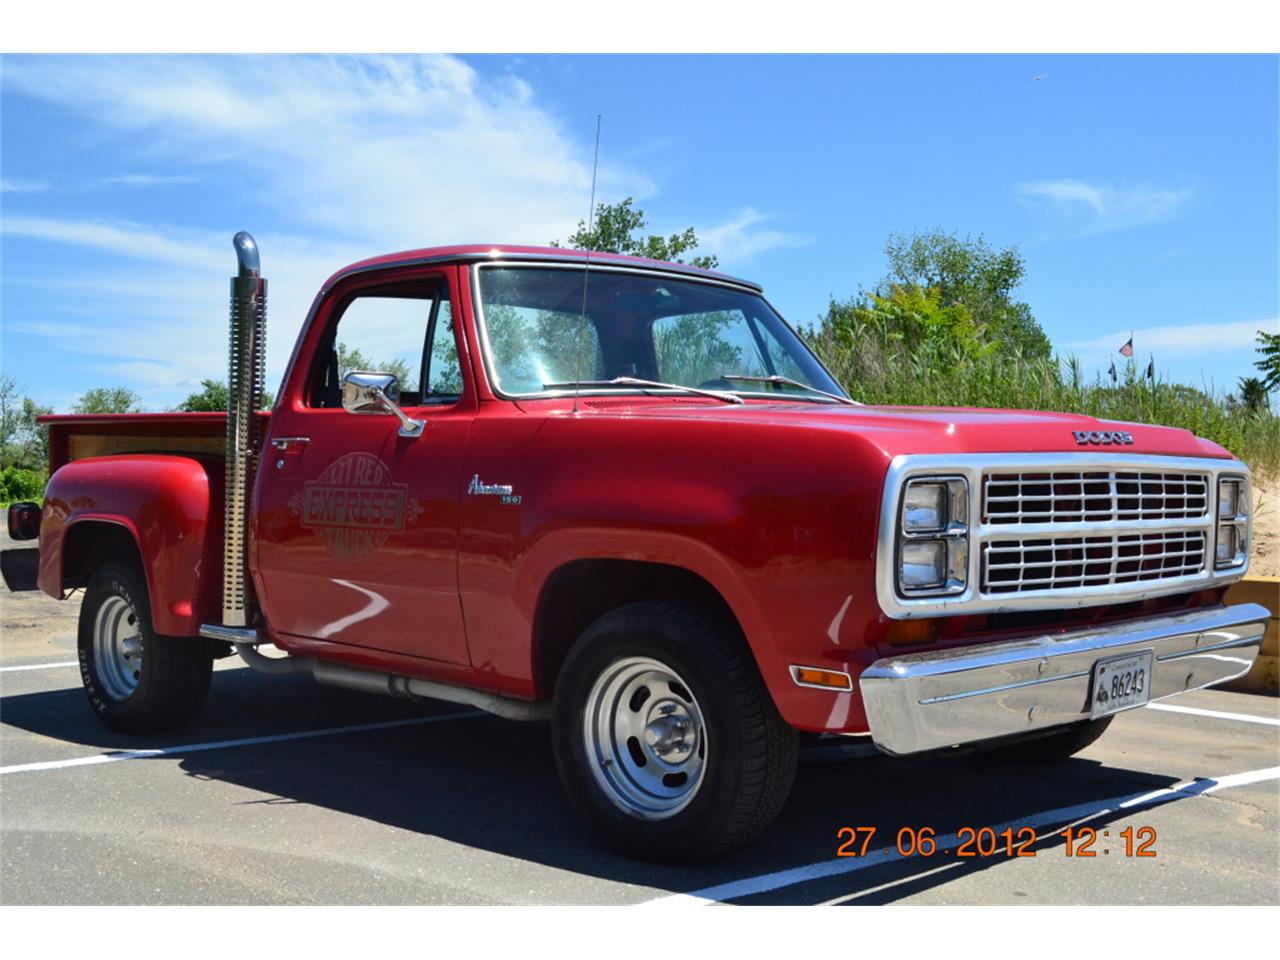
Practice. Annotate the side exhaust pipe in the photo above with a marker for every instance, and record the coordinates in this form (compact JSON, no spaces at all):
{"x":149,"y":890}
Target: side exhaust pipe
{"x":389,"y":685}
{"x":244,"y":431}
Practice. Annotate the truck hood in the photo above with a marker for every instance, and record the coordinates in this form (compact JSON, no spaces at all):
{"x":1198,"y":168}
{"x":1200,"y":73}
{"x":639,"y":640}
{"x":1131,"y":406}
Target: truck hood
{"x":942,"y":430}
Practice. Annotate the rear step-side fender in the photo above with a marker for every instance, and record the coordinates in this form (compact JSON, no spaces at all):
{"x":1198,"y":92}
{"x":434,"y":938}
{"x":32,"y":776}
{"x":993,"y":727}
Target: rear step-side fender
{"x":166,"y":508}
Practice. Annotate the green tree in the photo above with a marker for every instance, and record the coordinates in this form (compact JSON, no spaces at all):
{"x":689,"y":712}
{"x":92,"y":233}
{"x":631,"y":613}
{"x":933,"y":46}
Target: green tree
{"x":619,"y":228}
{"x":32,"y":440}
{"x":213,"y":398}
{"x":24,"y":444}
{"x":10,"y":408}
{"x":968,"y":272}
{"x":914,"y":318}
{"x":1253,"y":394}
{"x":350,"y":358}
{"x":108,"y":400}
{"x":1269,"y":347}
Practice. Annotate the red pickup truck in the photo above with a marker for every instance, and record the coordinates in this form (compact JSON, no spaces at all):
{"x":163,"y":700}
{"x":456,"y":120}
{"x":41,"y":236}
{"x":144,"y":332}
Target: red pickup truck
{"x":625,"y":496}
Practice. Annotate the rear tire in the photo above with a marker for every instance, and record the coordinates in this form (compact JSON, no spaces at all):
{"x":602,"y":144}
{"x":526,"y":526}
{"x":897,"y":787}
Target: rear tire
{"x":1060,"y":745}
{"x":136,"y":681}
{"x":667,"y":741}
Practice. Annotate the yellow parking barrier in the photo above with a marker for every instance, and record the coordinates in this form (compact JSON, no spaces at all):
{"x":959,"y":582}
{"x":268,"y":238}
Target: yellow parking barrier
{"x":1265,"y":675}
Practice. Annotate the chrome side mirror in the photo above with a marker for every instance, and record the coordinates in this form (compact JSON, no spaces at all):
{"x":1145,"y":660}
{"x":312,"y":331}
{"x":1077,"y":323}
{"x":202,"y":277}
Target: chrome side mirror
{"x":366,"y":392}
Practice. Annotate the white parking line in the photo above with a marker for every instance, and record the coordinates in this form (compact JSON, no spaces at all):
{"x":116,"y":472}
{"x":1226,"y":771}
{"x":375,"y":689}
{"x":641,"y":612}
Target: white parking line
{"x":43,"y":666}
{"x":1063,"y":816}
{"x":1247,"y":718}
{"x":225,"y":744}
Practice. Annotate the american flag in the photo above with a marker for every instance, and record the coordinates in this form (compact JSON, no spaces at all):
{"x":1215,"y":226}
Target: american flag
{"x":1127,"y":349}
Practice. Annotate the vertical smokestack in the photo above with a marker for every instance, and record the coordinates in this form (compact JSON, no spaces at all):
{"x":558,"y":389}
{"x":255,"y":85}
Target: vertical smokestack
{"x":244,"y":398}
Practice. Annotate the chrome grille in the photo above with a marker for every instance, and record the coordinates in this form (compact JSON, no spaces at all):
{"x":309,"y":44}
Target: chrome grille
{"x":1093,"y":496}
{"x":1064,"y":562}
{"x":1069,"y":529}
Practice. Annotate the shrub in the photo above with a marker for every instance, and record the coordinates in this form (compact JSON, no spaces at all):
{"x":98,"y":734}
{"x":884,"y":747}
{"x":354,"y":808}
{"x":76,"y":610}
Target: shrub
{"x":19,"y":484}
{"x":879,"y":369}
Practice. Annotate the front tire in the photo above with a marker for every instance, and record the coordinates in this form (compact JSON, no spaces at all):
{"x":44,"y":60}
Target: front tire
{"x":136,"y":681}
{"x":667,"y":741}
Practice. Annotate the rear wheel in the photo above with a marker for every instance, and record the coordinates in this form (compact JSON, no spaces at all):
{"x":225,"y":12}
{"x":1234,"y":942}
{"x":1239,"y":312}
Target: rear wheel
{"x":136,"y":681}
{"x":667,"y":741}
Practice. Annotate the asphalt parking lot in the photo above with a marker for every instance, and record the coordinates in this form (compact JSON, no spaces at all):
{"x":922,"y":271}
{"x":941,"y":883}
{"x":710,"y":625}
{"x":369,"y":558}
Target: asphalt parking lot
{"x":285,"y":792}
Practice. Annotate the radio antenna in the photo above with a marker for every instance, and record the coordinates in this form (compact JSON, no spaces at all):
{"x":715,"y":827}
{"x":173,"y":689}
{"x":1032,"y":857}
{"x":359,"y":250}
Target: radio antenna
{"x":586,"y":269}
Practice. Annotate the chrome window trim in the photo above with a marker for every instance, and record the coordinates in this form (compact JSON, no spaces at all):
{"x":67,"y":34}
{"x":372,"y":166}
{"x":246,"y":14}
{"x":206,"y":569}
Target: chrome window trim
{"x":548,"y":263}
{"x":973,"y":466}
{"x":570,"y":258}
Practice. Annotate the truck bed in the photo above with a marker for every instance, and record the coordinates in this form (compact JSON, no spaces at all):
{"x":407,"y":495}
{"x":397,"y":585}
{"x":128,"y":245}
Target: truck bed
{"x":75,"y":437}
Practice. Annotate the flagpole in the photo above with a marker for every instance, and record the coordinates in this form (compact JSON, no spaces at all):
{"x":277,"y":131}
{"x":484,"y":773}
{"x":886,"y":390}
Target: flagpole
{"x":1151,"y":370}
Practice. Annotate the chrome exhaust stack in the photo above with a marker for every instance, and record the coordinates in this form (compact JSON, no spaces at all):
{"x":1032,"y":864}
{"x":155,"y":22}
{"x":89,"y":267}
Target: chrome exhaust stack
{"x":245,"y":373}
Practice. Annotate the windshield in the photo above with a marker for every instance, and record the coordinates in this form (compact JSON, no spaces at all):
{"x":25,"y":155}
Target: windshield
{"x":639,"y":325}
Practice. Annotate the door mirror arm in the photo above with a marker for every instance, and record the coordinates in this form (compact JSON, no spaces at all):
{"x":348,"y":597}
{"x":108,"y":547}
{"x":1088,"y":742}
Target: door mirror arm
{"x":364,"y":391}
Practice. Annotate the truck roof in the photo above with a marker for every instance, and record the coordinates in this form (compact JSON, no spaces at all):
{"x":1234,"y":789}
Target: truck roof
{"x":474,"y":252}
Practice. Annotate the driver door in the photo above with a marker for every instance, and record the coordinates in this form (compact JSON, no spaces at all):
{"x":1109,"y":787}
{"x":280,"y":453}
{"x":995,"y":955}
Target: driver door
{"x":357,"y":531}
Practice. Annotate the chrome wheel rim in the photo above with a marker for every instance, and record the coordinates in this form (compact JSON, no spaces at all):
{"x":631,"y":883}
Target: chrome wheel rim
{"x":645,"y":738}
{"x":117,"y":648}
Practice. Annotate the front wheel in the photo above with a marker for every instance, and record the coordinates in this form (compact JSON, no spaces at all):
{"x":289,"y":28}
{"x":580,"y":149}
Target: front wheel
{"x":667,"y":741}
{"x":137,"y":682}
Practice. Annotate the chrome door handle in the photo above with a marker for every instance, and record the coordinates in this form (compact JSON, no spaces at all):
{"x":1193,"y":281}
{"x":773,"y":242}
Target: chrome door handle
{"x":284,"y":443}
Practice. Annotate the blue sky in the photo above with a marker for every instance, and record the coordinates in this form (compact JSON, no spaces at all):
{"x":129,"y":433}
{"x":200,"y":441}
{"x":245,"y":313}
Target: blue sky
{"x":1141,"y":190}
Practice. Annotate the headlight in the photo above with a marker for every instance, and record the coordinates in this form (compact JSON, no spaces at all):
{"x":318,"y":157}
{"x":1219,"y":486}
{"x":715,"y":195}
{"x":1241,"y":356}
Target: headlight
{"x":1232,"y":549}
{"x":930,"y":506}
{"x":933,"y":537}
{"x":1228,"y":497}
{"x":924,"y":507}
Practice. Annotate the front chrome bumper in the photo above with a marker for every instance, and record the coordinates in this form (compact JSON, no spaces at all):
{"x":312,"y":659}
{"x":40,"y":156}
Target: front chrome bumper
{"x":924,"y":701}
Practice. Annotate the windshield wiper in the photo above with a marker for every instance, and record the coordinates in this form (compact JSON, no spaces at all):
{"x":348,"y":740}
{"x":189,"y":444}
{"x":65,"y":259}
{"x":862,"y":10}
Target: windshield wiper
{"x":636,"y":382}
{"x":787,"y":381}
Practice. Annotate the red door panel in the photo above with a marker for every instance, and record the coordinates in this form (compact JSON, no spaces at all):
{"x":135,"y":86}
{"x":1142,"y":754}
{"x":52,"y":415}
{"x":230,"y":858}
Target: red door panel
{"x":357,"y":528}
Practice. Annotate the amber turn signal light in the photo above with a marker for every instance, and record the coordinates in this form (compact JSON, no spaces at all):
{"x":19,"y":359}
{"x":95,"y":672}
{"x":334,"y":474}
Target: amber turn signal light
{"x":826,"y":679}
{"x":905,"y":633}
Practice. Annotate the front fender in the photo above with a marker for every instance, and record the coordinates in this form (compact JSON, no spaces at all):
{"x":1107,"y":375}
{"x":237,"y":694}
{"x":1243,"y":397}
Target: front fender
{"x":170,"y":506}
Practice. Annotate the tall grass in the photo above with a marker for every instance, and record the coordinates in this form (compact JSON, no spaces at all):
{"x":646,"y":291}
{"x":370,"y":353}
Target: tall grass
{"x":882,"y":370}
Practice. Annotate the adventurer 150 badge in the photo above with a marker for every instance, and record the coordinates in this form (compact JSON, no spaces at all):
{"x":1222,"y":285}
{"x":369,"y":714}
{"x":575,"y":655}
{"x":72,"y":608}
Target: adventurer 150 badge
{"x":355,"y":505}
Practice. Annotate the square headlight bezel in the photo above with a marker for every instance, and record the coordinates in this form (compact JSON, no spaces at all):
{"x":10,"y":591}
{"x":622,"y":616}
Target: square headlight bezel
{"x":1238,"y":520}
{"x":949,"y":529}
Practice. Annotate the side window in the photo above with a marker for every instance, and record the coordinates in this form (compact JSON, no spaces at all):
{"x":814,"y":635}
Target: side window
{"x":405,"y":330}
{"x":444,"y":373}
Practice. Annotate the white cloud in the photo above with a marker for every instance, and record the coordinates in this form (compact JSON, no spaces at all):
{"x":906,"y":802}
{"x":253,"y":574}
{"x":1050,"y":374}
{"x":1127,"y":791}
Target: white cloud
{"x":188,"y":248}
{"x":738,"y":239}
{"x":360,"y":155}
{"x":1097,"y":208}
{"x":1180,"y":340}
{"x":357,"y":155}
{"x":158,"y":316}
{"x":149,"y":180}
{"x":397,"y":151}
{"x":22,"y":186}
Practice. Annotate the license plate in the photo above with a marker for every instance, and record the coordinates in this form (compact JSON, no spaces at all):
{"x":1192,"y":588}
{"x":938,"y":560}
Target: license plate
{"x":1120,"y":683}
